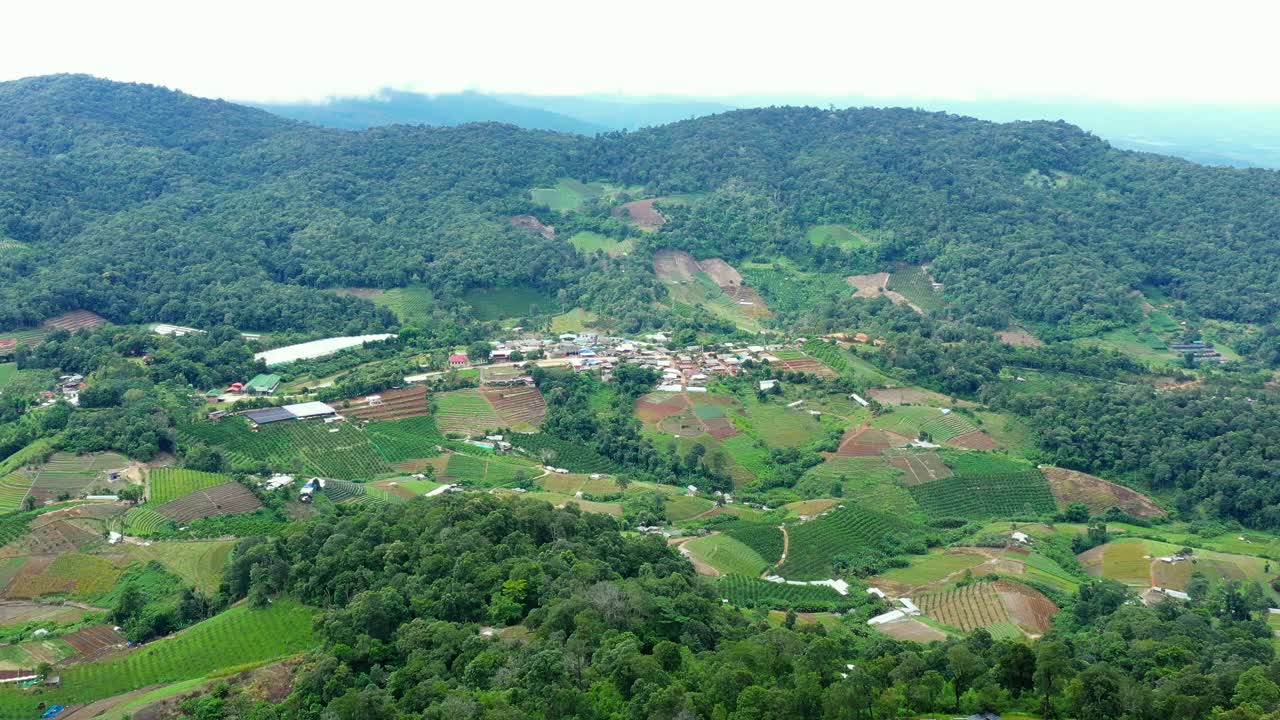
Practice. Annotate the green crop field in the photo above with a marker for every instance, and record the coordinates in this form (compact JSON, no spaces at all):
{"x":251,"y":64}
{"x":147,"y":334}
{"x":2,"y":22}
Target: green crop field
{"x":338,"y":450}
{"x":238,"y":637}
{"x":914,"y":284}
{"x":74,"y":574}
{"x":14,"y":488}
{"x":14,"y":525}
{"x":166,"y":484}
{"x":787,"y":290}
{"x":1009,"y":432}
{"x":764,"y":539}
{"x":588,"y":242}
{"x":982,"y":463}
{"x":908,"y":420}
{"x":465,"y":411}
{"x":727,"y":555}
{"x":840,"y":236}
{"x":1013,"y":494}
{"x":574,"y":321}
{"x":509,"y":302}
{"x":788,"y":354}
{"x":408,"y":439}
{"x":868,"y":481}
{"x":563,"y":453}
{"x":65,"y":472}
{"x":848,"y":364}
{"x":780,"y":426}
{"x":7,"y":372}
{"x":817,"y":543}
{"x":569,"y":194}
{"x":485,"y":472}
{"x":684,"y":507}
{"x":145,"y":521}
{"x":26,"y":336}
{"x":746,"y":591}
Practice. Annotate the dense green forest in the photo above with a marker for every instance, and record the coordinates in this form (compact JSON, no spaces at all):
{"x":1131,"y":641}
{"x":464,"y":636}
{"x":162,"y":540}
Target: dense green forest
{"x":147,"y":205}
{"x":616,"y":626}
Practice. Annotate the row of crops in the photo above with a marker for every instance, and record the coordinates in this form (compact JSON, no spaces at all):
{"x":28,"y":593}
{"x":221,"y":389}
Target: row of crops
{"x":817,"y":545}
{"x":338,"y":450}
{"x":764,"y":538}
{"x":746,"y":591}
{"x":485,"y":472}
{"x":237,"y":637}
{"x":945,"y":427}
{"x":168,"y":484}
{"x":145,"y":521}
{"x":788,"y":291}
{"x":13,"y":490}
{"x":574,"y":457}
{"x":915,"y":285}
{"x":408,"y":439}
{"x":1015,"y":494}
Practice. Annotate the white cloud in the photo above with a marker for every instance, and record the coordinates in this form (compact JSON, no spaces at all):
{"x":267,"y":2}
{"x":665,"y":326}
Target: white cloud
{"x":267,"y":50}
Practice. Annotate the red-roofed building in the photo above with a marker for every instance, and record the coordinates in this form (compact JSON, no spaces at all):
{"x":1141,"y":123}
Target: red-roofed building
{"x":458,"y":361}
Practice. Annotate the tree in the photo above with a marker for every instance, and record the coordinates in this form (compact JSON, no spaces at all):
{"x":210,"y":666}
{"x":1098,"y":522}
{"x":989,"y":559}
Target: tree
{"x":1255,"y":688}
{"x":965,"y":666}
{"x":479,"y":351}
{"x":1016,"y":667}
{"x":1095,"y":694}
{"x":1053,"y":668}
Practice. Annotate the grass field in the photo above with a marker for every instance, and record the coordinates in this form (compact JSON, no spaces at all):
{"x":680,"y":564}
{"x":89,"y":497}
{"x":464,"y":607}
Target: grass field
{"x":588,"y":242}
{"x":485,"y":472}
{"x":780,"y":426}
{"x":840,"y":236}
{"x":869,"y":481}
{"x":199,"y":563}
{"x":727,"y":555}
{"x":1127,"y":560}
{"x":815,"y":545}
{"x":408,"y":303}
{"x":340,"y":450}
{"x":982,"y":463}
{"x":236,"y":638}
{"x":1009,"y":432}
{"x":935,"y":566}
{"x":509,"y":302}
{"x":574,"y":321}
{"x":1020,"y":494}
{"x":7,"y":372}
{"x":166,"y":484}
{"x":465,"y":411}
{"x":569,"y":194}
{"x":74,"y":574}
{"x":560,"y":453}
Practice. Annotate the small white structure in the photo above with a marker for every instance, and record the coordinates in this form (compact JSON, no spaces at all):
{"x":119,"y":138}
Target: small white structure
{"x":909,"y":606}
{"x":440,"y":490}
{"x":768,"y":384}
{"x":275,"y":482}
{"x":858,"y":399}
{"x":1021,"y":537}
{"x":887,"y":617}
{"x":1175,"y":594}
{"x":114,"y":537}
{"x":795,"y":404}
{"x":877,"y":592}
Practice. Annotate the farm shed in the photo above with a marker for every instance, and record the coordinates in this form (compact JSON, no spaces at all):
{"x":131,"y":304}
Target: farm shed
{"x":310,"y":410}
{"x":266,"y":416}
{"x":262,"y":384}
{"x":299,"y":411}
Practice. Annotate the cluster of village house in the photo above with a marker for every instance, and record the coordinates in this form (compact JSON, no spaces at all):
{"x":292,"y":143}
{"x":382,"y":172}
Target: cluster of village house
{"x":686,"y":370}
{"x":69,"y":387}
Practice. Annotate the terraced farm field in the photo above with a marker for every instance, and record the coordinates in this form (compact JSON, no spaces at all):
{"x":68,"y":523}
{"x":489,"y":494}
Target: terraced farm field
{"x":746,"y":591}
{"x":14,"y":488}
{"x":74,"y":321}
{"x":848,"y":531}
{"x":74,"y":574}
{"x":144,"y":521}
{"x":198,"y":562}
{"x":1020,"y":494}
{"x":465,"y":411}
{"x":1097,"y":494}
{"x":390,"y":405}
{"x":341,"y":491}
{"x":763,"y":538}
{"x":226,"y":499}
{"x":338,"y":450}
{"x":168,"y":484}
{"x":399,"y":441}
{"x":520,"y":409}
{"x":915,"y":285}
{"x":65,"y":473}
{"x":239,"y":636}
{"x":967,"y":608}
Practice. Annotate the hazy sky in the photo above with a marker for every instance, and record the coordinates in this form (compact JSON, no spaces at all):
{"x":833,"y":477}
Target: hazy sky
{"x":1116,"y":50}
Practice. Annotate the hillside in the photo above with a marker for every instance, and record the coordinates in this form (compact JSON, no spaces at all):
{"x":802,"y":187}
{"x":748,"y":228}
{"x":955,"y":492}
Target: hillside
{"x":1037,"y":224}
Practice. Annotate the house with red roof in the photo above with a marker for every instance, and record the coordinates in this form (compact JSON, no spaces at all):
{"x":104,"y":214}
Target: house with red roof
{"x":458,"y":361}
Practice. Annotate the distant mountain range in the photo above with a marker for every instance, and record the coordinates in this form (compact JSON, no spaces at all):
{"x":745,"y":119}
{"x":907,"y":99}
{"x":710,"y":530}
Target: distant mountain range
{"x":1212,"y":135}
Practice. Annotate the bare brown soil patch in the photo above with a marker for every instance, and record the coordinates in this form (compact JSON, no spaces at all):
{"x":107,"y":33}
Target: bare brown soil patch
{"x":390,"y":405}
{"x":809,"y":365}
{"x":533,"y":224}
{"x":1028,"y":608}
{"x":642,"y":213}
{"x":680,"y":267}
{"x":920,"y":468}
{"x":721,"y":272}
{"x":914,"y":396}
{"x":1070,"y":486}
{"x":913,"y":630}
{"x":868,"y":441}
{"x":56,"y":538}
{"x":650,"y":409}
{"x":1018,"y":336}
{"x":93,"y":641}
{"x":675,"y":265}
{"x":976,"y":440}
{"x":1171,"y":575}
{"x":869,"y":286}
{"x":720,"y":428}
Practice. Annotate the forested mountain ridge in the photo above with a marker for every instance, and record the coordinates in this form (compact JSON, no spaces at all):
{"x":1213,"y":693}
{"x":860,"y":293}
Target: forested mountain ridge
{"x":144,"y":204}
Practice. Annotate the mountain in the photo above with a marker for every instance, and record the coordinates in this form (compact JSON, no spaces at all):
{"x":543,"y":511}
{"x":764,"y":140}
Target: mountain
{"x":393,"y":107}
{"x":623,"y":112}
{"x":144,"y":205}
